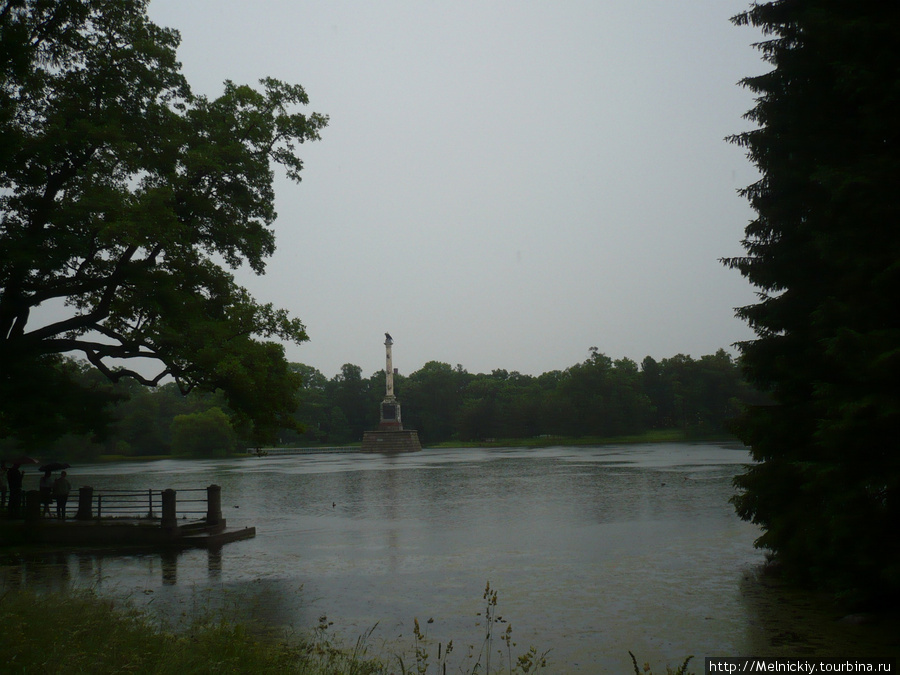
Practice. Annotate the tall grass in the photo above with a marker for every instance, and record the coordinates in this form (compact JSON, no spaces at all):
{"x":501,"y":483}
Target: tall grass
{"x":475,"y":661}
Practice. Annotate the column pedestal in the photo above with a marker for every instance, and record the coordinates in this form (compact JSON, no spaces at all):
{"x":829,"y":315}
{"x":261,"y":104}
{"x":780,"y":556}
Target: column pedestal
{"x":401,"y":440}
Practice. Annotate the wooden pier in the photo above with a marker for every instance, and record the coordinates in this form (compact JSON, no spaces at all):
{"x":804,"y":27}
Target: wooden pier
{"x":121,"y":518}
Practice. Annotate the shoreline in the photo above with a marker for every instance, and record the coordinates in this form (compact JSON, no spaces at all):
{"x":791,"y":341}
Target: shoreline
{"x":658,"y":436}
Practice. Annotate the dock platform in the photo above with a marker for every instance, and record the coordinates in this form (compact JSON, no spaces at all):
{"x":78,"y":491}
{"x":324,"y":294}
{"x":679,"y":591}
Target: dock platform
{"x":115,"y":518}
{"x":124,"y":532}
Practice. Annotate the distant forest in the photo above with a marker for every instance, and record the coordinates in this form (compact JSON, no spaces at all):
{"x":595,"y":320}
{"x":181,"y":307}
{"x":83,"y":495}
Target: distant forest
{"x":599,"y":397}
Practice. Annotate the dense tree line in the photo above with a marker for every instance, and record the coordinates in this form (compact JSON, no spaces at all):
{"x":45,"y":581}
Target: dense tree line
{"x":599,"y":397}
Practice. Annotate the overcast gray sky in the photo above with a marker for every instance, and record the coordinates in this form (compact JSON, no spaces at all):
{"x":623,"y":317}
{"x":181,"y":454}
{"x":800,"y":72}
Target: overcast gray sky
{"x":502,"y":184}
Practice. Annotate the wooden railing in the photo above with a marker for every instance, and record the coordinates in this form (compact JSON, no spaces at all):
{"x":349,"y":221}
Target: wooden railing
{"x":165,"y":506}
{"x":146,"y":503}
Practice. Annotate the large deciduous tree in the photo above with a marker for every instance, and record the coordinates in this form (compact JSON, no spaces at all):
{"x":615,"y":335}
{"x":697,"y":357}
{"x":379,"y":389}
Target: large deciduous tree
{"x":126,"y":201}
{"x":824,"y":252}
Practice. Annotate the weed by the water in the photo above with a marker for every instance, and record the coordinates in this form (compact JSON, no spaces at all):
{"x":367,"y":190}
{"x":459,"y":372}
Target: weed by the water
{"x":529,"y":661}
{"x":681,"y":670}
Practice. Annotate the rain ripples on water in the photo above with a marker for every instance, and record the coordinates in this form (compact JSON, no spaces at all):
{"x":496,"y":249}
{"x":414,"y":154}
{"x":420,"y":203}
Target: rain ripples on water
{"x":594,"y":551}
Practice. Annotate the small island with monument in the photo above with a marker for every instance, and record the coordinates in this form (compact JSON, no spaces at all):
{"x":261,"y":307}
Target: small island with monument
{"x":390,"y":435}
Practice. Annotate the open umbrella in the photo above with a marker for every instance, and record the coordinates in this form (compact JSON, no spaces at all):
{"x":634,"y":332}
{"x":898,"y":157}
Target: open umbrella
{"x":21,"y":459}
{"x":55,"y":466}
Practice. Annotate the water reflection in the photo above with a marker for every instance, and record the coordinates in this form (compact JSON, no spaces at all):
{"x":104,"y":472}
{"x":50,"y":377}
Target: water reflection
{"x":788,"y":622}
{"x":153,"y":584}
{"x":594,"y":551}
{"x":214,"y":563}
{"x":64,"y":570}
{"x":169,"y":566}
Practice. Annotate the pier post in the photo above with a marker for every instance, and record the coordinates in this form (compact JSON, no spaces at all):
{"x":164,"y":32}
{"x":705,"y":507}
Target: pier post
{"x":213,"y":505}
{"x":169,"y":518}
{"x":85,"y":503}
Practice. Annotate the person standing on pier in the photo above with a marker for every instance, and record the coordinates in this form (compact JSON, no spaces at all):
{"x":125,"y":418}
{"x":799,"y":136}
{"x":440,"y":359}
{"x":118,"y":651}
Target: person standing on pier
{"x":61,"y":490}
{"x":46,"y":489}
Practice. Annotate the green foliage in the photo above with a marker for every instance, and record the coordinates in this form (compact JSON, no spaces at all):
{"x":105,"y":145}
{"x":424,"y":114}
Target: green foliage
{"x":353,"y":408}
{"x":605,"y":398}
{"x":432,"y":398}
{"x":823,"y":252}
{"x":143,"y":422}
{"x":120,"y":192}
{"x":311,"y":415}
{"x":599,"y":397}
{"x":59,"y":396}
{"x":203,"y":434}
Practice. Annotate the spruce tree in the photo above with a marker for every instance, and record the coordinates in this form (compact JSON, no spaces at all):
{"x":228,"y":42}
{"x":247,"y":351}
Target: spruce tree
{"x":824,"y":253}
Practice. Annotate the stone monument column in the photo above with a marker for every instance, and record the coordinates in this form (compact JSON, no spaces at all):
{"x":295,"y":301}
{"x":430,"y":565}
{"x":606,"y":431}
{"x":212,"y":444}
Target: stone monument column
{"x":390,"y":436}
{"x":390,"y":406}
{"x":389,"y":368}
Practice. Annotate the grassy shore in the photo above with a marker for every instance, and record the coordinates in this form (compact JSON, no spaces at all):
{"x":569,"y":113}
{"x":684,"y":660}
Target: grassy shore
{"x":653,"y":436}
{"x":79,"y":632}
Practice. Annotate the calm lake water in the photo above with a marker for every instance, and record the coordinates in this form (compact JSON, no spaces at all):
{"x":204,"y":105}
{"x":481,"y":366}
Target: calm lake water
{"x":593,"y":551}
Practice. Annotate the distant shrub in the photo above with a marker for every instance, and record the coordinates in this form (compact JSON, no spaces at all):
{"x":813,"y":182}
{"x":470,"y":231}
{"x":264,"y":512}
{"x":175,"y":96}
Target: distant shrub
{"x":203,"y":434}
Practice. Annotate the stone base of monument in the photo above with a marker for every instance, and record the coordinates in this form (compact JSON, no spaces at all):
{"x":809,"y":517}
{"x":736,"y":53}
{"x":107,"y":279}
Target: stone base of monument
{"x":402,"y":440}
